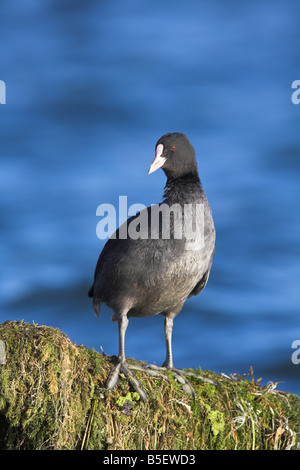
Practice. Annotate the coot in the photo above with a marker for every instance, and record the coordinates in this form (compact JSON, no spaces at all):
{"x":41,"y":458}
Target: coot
{"x":159,"y":257}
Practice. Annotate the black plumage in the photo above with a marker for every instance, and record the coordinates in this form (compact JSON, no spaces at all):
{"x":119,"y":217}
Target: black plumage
{"x":164,"y":256}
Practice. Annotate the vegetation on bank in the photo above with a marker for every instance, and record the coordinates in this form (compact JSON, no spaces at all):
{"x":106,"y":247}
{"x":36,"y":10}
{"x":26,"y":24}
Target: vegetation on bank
{"x":52,"y":396}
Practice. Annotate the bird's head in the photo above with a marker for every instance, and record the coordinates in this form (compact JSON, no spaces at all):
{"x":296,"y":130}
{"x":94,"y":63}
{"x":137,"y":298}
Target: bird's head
{"x":175,"y":155}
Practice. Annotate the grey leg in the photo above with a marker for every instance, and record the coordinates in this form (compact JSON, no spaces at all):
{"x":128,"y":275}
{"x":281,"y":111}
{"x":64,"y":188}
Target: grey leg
{"x":115,"y":371}
{"x":121,"y":365}
{"x":122,"y":324}
{"x":168,"y":335}
{"x":169,"y":359}
{"x":168,"y":364}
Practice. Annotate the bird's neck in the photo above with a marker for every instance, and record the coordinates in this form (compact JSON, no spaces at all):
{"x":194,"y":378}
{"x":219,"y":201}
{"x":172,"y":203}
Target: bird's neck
{"x":183,"y":189}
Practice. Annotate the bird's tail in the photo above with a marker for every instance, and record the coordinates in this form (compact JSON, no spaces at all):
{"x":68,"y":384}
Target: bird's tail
{"x":96,"y":303}
{"x":97,"y":307}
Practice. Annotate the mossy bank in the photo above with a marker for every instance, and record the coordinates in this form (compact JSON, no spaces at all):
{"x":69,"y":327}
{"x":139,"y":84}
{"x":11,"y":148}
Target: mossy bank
{"x":52,"y":397}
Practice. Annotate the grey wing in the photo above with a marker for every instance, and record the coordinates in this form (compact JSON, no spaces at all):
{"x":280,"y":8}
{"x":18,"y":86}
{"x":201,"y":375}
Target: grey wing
{"x":203,"y":281}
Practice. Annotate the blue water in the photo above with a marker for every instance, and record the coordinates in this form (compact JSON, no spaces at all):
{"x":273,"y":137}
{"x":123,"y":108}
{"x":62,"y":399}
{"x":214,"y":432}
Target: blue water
{"x":90,"y":87}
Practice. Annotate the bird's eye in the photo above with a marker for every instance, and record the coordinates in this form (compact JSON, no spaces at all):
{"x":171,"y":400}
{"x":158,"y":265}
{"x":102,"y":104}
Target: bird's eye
{"x":173,"y":147}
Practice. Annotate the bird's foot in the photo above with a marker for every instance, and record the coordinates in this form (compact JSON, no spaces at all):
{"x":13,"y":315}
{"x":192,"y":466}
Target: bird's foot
{"x":186,"y":386}
{"x":150,"y":369}
{"x":156,"y":371}
{"x":122,"y":367}
{"x":201,"y":377}
{"x":180,"y":375}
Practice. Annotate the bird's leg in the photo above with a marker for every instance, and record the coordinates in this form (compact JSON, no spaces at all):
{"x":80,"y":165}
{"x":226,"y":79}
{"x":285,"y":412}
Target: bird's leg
{"x":115,"y":371}
{"x":154,"y":370}
{"x":121,"y":365}
{"x":168,"y":335}
{"x":122,"y":324}
{"x":169,"y":358}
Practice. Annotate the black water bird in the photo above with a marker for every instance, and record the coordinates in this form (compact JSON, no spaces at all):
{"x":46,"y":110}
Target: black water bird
{"x":156,"y":260}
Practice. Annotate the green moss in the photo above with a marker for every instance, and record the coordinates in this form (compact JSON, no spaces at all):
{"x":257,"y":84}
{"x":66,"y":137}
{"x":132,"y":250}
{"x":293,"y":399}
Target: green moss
{"x":216,"y":419}
{"x":130,"y":397}
{"x":52,"y":396}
